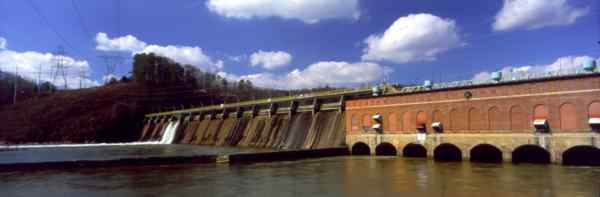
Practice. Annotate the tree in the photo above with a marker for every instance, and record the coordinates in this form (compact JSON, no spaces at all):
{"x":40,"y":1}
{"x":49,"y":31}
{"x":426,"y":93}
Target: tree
{"x":47,"y":87}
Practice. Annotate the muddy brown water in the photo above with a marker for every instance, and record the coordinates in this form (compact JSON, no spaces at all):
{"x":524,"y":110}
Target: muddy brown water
{"x":359,"y":176}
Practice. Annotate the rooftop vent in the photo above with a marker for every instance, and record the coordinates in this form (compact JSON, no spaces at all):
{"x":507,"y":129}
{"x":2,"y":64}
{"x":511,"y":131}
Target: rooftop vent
{"x":496,"y":76}
{"x":427,"y":84}
{"x":589,"y":65}
{"x":376,"y":90}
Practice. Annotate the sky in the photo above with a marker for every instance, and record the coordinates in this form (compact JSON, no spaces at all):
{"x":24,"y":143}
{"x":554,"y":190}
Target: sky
{"x":288,"y":44}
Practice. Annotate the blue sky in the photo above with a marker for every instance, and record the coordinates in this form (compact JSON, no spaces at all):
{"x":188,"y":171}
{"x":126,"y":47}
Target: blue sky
{"x":294,"y":44}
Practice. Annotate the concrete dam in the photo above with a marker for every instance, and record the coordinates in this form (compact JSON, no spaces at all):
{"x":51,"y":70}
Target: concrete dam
{"x":315,"y":122}
{"x":303,"y":130}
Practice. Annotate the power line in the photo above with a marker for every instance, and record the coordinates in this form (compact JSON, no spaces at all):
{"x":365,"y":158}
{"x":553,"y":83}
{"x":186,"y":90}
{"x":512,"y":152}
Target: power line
{"x":16,"y":84}
{"x":80,"y":17}
{"x":45,"y":20}
{"x":118,"y":16}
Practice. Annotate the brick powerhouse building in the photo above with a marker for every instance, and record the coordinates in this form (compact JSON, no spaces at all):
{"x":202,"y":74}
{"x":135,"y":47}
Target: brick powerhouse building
{"x":497,"y":116}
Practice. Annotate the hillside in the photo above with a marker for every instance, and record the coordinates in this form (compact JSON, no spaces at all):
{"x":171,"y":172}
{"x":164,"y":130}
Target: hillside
{"x":114,"y":112}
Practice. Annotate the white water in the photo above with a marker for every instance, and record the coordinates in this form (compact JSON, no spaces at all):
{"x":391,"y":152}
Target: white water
{"x":169,"y":133}
{"x":167,"y":138}
{"x":75,"y":145}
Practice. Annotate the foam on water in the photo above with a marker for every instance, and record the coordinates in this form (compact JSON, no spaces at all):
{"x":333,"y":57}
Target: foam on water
{"x":21,"y":146}
{"x":167,"y":138}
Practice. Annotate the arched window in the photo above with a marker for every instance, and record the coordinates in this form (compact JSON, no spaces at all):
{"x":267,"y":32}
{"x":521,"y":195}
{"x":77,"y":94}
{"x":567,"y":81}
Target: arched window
{"x":392,"y":121}
{"x":594,"y":110}
{"x":456,"y":120}
{"x":421,"y":122}
{"x":568,"y":117}
{"x":518,"y":118}
{"x":475,"y":119}
{"x":540,"y":112}
{"x":355,"y":122}
{"x":437,"y":116}
{"x":495,"y":121}
{"x":406,"y":123}
{"x":366,"y":120}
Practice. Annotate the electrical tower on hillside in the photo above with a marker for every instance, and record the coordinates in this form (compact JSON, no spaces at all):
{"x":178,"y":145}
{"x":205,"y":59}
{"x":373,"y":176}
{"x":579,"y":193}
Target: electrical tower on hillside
{"x":83,"y":75}
{"x":111,"y":62}
{"x":59,"y":69}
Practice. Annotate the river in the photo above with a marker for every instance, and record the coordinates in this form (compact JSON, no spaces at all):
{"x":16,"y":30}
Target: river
{"x":334,"y":176}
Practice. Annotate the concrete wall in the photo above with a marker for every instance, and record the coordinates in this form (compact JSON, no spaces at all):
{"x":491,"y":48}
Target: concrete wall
{"x":556,"y":144}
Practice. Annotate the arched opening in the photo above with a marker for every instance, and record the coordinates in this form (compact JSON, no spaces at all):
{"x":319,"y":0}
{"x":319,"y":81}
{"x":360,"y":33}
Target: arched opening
{"x":530,"y":154}
{"x":456,"y":120}
{"x":485,"y":153}
{"x":406,"y":124}
{"x":360,"y":148}
{"x":475,"y":119}
{"x":392,"y":122}
{"x":447,"y":152}
{"x":568,"y":117}
{"x":582,"y":156}
{"x":437,"y":116}
{"x":540,"y":112}
{"x":386,"y":149}
{"x":421,"y":123}
{"x":495,"y":120}
{"x":366,"y":121}
{"x":594,"y":110}
{"x":355,"y":122}
{"x":414,"y":150}
{"x":518,"y":118}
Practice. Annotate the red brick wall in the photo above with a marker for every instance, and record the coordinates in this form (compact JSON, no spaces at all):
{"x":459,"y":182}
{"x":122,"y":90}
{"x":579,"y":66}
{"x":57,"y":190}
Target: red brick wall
{"x":565,"y":103}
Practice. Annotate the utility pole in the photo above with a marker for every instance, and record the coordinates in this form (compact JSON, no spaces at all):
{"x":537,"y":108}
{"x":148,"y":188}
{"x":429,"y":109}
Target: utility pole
{"x":39,"y":78}
{"x":82,"y":74}
{"x":16,"y":84}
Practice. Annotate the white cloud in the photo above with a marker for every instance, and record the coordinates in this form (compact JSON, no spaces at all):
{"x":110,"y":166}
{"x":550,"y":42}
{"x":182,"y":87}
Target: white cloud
{"x":561,"y":64}
{"x":127,"y":43}
{"x":413,"y":38}
{"x":534,"y":14}
{"x":3,"y":43}
{"x":319,"y":74}
{"x":182,"y":54}
{"x":270,"y":59}
{"x":30,"y":64}
{"x":308,"y":11}
{"x":238,"y":58}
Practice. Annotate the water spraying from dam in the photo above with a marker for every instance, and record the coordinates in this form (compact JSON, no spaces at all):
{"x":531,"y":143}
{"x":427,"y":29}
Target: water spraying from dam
{"x":165,"y":133}
{"x":303,"y":130}
{"x":169,"y":133}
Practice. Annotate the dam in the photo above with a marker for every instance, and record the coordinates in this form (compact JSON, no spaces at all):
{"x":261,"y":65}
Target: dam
{"x":541,"y":118}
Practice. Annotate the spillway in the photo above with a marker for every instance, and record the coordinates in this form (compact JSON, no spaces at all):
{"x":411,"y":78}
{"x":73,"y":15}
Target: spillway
{"x":303,"y":130}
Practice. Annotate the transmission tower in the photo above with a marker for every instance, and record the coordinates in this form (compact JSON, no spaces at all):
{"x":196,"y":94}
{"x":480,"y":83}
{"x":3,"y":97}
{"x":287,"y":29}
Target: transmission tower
{"x":111,"y":61}
{"x":59,"y":69}
{"x":83,"y":74}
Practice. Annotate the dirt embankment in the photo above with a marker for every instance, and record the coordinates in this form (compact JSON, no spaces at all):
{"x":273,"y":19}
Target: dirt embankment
{"x":110,"y":113}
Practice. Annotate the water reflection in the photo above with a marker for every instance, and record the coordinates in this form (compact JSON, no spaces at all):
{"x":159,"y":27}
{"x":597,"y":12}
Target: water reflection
{"x":339,"y":176}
